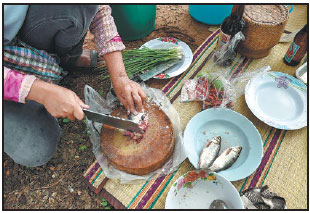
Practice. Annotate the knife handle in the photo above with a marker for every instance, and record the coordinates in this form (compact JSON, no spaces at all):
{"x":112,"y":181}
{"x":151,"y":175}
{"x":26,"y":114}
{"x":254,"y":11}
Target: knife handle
{"x":137,"y":79}
{"x":113,"y":92}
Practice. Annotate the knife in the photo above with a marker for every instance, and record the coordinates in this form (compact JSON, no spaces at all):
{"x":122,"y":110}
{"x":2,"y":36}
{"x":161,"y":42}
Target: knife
{"x":151,"y":73}
{"x":288,"y":37}
{"x":112,"y":121}
{"x":155,"y":71}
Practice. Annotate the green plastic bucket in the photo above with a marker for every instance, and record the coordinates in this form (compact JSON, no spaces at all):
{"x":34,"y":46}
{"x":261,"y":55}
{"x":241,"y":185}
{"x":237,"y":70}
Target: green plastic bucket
{"x":134,"y":22}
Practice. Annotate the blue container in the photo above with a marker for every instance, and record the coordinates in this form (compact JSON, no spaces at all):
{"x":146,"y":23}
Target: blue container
{"x":210,"y":14}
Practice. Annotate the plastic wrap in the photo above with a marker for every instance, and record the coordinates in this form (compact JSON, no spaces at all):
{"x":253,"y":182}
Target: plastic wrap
{"x":239,"y":83}
{"x":217,"y":89}
{"x":156,"y":96}
{"x":225,"y":55}
{"x":212,"y":89}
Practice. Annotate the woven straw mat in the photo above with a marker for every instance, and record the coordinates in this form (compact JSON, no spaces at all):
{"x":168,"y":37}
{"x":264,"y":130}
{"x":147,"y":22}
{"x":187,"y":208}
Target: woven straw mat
{"x":284,"y":164}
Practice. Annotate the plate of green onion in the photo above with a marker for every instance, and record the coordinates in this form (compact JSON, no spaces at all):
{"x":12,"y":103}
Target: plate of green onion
{"x":181,"y":51}
{"x":155,"y":54}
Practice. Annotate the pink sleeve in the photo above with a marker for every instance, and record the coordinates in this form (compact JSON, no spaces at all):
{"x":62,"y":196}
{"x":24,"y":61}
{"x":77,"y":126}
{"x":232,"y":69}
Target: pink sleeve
{"x":16,"y":85}
{"x":105,"y":33}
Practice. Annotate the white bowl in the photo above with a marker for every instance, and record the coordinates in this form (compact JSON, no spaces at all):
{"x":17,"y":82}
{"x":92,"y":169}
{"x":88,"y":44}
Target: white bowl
{"x":197,"y":189}
{"x":235,"y":130}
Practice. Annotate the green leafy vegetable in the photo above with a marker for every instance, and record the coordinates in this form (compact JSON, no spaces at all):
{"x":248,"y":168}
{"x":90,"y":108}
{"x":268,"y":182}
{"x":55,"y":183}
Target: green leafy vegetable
{"x":138,"y":61}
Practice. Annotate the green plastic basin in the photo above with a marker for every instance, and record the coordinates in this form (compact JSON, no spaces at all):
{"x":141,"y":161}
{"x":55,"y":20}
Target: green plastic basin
{"x":134,"y":22}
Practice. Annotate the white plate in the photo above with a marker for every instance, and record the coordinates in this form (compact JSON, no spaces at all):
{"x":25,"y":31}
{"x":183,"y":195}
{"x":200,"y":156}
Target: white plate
{"x":167,"y":42}
{"x":197,"y":189}
{"x":235,"y":130}
{"x":278,"y":99}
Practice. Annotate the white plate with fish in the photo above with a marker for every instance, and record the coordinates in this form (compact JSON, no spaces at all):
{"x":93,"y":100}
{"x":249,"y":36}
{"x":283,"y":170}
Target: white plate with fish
{"x":167,"y":42}
{"x":278,"y":99}
{"x":235,"y":130}
{"x":198,"y":189}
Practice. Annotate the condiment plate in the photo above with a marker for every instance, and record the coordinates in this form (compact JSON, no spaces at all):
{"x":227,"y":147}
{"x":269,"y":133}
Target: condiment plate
{"x":235,"y":130}
{"x":167,"y":42}
{"x":197,"y":189}
{"x":278,"y":99}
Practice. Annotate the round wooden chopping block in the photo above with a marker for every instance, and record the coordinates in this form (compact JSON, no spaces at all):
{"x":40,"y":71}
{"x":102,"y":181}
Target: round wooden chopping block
{"x":145,"y":156}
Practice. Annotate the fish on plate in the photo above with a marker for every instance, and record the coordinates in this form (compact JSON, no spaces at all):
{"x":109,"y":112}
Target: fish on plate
{"x":209,"y":152}
{"x":226,"y":159}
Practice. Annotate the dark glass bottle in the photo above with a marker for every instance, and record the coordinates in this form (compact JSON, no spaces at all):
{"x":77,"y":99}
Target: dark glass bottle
{"x":298,"y":48}
{"x":233,"y":23}
{"x":229,"y":27}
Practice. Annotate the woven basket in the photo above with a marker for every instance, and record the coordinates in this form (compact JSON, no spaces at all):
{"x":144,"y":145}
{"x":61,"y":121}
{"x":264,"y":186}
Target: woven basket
{"x":264,"y":27}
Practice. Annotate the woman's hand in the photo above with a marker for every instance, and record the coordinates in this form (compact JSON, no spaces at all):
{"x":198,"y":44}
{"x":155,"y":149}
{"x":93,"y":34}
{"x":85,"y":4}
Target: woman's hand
{"x":58,"y":101}
{"x":129,"y":93}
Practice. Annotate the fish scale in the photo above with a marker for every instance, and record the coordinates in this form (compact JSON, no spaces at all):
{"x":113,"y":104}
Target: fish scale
{"x":209,"y":152}
{"x":226,"y":159}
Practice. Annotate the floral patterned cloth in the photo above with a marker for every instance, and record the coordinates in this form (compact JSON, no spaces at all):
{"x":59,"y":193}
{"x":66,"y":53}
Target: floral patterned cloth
{"x":17,"y":85}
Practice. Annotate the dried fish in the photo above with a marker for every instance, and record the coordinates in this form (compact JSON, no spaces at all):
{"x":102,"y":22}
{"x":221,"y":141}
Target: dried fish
{"x":262,"y":198}
{"x":226,"y":159}
{"x":210,"y":152}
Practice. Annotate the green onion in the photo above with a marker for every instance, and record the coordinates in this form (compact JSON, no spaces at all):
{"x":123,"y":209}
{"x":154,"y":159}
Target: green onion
{"x":138,"y":61}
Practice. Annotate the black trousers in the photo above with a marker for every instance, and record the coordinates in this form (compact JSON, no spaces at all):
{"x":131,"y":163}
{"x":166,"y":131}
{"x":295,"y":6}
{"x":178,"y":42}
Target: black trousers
{"x":58,"y":29}
{"x":31,"y":134}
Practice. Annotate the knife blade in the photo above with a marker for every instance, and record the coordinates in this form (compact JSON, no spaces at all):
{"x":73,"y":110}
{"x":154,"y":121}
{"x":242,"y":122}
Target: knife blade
{"x":112,"y":121}
{"x":288,"y":37}
{"x":155,"y":71}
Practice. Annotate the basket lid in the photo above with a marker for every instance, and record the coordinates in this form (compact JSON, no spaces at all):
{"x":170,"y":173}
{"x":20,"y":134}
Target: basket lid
{"x":266,"y":14}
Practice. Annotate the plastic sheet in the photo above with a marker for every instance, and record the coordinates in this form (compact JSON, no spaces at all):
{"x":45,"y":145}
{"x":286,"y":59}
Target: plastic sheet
{"x":155,"y":96}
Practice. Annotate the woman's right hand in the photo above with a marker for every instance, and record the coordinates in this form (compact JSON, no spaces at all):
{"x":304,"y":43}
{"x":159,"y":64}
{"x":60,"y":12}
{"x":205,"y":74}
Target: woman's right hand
{"x":58,"y":101}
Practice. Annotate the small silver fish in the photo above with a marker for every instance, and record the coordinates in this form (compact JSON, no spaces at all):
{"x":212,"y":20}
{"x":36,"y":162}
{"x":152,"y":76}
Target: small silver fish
{"x":218,"y":204}
{"x":226,"y":159}
{"x":209,"y":152}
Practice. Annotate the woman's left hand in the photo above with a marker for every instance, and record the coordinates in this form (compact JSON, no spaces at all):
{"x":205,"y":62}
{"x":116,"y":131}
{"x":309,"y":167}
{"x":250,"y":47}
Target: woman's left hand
{"x":129,"y":93}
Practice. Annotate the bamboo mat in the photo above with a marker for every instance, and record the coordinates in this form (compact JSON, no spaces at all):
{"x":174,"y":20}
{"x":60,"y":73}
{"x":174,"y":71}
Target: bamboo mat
{"x":284,"y":164}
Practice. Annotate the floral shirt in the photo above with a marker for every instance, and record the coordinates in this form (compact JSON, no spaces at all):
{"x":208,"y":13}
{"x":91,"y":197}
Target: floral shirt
{"x":17,"y":85}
